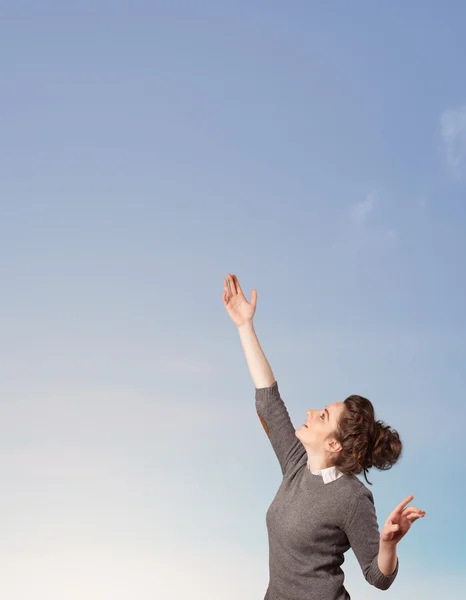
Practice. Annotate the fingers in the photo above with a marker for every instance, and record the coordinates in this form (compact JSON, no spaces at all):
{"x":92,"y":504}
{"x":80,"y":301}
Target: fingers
{"x":413,"y":518}
{"x":238,"y":287}
{"x":254,"y":297}
{"x":401,"y":505}
{"x":226,"y":292}
{"x":228,"y":288}
{"x":412,"y":514}
{"x":232,"y":284}
{"x":414,"y":509}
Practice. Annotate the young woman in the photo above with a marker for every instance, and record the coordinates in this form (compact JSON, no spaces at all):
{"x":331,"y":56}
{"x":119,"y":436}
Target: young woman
{"x":321,"y":508}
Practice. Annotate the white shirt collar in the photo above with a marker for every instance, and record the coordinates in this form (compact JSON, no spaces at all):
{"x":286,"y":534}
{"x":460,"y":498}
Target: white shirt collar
{"x":328,"y":475}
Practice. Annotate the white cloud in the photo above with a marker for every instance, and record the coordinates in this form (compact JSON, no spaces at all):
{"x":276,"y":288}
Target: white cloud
{"x":453,"y":129}
{"x":360,"y":213}
{"x":363,"y":209}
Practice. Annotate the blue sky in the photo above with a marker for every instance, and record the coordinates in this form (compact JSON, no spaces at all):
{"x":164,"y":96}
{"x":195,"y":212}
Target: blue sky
{"x":316,"y":150}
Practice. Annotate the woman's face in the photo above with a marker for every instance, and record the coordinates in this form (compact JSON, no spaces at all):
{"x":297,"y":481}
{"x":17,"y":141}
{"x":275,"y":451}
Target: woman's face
{"x":320,"y":425}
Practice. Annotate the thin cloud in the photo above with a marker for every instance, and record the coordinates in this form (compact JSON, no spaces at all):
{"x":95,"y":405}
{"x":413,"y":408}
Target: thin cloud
{"x":360,"y":215}
{"x":363,"y":209}
{"x":453,"y":130}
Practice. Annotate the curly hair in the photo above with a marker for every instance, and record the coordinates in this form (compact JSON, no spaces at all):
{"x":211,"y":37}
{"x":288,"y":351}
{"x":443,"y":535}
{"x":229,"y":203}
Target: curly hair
{"x":365,"y":442}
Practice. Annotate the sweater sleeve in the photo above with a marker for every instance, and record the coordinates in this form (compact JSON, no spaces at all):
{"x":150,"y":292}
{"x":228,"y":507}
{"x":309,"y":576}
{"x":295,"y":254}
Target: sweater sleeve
{"x":272,"y":410}
{"x":363,"y":535}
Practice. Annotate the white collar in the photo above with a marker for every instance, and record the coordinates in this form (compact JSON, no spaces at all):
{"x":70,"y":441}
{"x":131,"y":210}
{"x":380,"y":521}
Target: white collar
{"x":328,"y":475}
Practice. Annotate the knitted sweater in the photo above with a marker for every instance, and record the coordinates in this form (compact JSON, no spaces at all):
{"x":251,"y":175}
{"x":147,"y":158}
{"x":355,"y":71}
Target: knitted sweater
{"x":311,"y":524}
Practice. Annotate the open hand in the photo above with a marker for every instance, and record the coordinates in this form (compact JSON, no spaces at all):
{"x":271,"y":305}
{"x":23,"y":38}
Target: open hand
{"x":239,"y":309}
{"x":399,"y":521}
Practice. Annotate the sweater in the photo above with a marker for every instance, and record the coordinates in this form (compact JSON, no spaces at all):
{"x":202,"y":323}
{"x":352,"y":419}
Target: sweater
{"x":311,"y":524}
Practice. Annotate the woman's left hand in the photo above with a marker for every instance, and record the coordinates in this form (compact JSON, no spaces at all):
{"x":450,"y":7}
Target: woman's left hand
{"x":399,"y":521}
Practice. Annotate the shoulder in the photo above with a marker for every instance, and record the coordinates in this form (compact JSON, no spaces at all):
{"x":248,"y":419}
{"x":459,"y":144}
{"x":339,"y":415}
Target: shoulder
{"x":352,"y":494}
{"x":361,"y":507}
{"x":355,"y":487}
{"x":351,"y":484}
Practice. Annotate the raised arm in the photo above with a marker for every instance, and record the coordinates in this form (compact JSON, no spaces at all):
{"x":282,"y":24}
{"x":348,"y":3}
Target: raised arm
{"x":258,"y":365}
{"x":270,"y":408}
{"x":242,"y":312}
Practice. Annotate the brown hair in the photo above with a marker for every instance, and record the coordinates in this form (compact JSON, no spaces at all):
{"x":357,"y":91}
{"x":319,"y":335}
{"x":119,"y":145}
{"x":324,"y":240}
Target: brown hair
{"x":365,"y":442}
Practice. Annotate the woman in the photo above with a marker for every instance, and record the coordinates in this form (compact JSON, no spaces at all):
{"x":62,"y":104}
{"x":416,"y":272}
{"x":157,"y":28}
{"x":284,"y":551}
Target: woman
{"x":321,"y":508}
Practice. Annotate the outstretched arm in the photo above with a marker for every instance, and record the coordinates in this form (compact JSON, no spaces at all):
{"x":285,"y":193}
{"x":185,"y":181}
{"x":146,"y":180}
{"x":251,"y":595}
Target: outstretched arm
{"x":270,"y":407}
{"x":241,"y":313}
{"x":258,"y":365}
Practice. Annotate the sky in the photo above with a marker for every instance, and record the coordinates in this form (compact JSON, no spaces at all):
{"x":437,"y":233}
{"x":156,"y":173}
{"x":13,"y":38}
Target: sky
{"x":317,"y":151}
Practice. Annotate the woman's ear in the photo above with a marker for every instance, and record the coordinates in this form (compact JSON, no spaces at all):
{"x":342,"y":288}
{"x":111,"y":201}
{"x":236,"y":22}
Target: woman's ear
{"x":334,"y":446}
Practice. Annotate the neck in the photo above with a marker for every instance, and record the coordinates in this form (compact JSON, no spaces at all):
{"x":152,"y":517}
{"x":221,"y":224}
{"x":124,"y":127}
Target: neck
{"x":317,"y":461}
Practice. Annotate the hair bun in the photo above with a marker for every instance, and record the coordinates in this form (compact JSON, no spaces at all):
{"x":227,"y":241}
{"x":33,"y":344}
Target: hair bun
{"x":365,"y":442}
{"x":386,"y":447}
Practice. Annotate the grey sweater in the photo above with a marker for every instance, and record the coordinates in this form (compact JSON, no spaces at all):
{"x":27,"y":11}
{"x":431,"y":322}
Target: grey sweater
{"x":311,"y":524}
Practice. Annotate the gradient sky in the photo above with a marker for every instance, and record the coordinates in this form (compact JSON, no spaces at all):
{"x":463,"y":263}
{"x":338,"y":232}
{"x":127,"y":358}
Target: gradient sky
{"x":316,"y":150}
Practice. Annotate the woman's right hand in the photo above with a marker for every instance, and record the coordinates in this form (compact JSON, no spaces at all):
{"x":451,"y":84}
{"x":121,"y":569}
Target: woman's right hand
{"x":239,"y":309}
